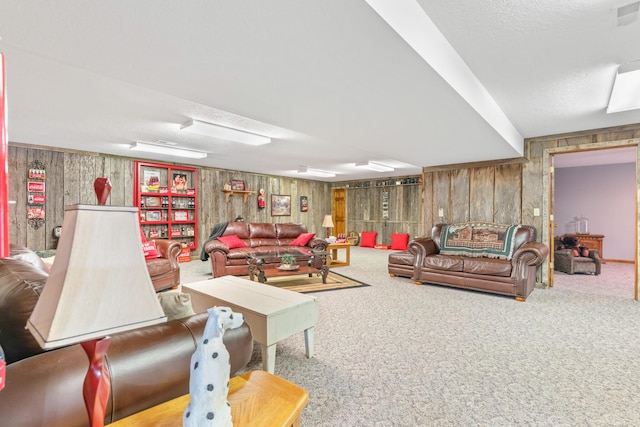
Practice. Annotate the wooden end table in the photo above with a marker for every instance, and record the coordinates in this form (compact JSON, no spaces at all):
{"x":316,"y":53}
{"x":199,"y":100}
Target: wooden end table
{"x":333,"y":260}
{"x":257,"y":399}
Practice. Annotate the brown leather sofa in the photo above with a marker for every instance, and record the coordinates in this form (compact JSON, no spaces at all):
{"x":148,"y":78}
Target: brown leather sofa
{"x":269,"y":240}
{"x":147,"y":366}
{"x":165,"y":271}
{"x":513,"y":277}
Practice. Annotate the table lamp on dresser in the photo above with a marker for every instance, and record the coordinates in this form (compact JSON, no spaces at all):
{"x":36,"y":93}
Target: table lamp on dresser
{"x":98,"y":285}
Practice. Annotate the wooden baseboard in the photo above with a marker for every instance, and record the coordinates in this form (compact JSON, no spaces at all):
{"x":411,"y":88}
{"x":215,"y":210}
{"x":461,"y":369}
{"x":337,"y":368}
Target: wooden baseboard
{"x":624,"y":261}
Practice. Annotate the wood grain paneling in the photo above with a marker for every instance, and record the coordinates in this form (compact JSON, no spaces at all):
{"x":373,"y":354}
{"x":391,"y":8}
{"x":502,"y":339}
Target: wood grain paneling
{"x":70,"y":177}
{"x":507,"y":200}
{"x":481,"y":194}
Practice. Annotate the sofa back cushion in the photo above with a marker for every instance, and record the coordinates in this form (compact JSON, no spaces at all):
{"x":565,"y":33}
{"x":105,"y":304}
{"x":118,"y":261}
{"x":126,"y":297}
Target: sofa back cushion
{"x":289,"y":231}
{"x":240,"y":229}
{"x":479,"y":239}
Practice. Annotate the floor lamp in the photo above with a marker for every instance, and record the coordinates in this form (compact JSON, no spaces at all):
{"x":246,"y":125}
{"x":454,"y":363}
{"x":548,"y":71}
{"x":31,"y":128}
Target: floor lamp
{"x":98,"y":285}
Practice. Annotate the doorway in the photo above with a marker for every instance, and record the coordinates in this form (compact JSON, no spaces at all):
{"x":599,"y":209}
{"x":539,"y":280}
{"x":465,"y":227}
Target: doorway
{"x":339,"y":210}
{"x":603,"y":152}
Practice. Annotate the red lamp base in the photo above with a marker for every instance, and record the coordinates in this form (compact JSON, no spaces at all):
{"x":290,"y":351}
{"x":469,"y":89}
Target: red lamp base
{"x":97,"y":382}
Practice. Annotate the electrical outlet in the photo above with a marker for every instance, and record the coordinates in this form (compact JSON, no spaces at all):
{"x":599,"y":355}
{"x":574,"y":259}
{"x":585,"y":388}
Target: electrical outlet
{"x":440,"y":212}
{"x":536,"y":211}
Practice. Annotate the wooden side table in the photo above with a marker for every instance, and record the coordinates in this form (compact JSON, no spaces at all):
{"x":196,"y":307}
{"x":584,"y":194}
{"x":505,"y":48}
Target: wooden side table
{"x":333,"y":260}
{"x":257,"y":398}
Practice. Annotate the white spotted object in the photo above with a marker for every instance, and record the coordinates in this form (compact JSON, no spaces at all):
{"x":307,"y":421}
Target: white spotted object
{"x":210,"y":369}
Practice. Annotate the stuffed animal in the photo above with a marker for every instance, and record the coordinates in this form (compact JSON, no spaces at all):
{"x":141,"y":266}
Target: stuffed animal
{"x":573,"y":243}
{"x":210,"y":369}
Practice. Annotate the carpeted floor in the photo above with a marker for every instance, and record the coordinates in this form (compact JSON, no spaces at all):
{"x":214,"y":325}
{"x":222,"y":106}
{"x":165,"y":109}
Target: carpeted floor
{"x":397,"y":354}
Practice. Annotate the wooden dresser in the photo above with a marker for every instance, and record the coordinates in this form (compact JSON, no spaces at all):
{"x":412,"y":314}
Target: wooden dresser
{"x":591,"y":241}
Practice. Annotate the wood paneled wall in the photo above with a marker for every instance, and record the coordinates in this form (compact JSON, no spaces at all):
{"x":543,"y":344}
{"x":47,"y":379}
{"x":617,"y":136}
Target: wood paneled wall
{"x":509,"y":191}
{"x":461,"y":193}
{"x":70,"y":177}
{"x":364,"y":210}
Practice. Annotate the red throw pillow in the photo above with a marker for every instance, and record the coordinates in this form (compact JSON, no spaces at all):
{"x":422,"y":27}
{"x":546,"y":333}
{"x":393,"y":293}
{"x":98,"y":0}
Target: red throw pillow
{"x":232,"y":241}
{"x":150,"y":250}
{"x":303,"y":239}
{"x":399,"y":241}
{"x":368,"y":239}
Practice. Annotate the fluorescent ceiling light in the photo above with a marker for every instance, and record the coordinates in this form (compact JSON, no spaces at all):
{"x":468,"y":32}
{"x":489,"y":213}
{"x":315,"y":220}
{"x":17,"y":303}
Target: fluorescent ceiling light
{"x":375,"y":166}
{"x":162,"y":149}
{"x":625,"y":94}
{"x":221,"y":132}
{"x":315,"y":172}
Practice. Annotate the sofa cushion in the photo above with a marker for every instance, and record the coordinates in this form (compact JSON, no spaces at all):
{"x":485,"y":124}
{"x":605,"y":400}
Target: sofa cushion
{"x":175,"y":304}
{"x":399,"y":242}
{"x":402,"y":258}
{"x":368,"y":239}
{"x":232,"y":241}
{"x":303,"y":239}
{"x":487,"y":266}
{"x":150,"y":250}
{"x":478,"y":240}
{"x":444,"y":262}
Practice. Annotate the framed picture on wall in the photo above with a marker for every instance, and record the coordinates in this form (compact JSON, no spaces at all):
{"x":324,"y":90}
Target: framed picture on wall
{"x":280,"y":205}
{"x":304,"y":204}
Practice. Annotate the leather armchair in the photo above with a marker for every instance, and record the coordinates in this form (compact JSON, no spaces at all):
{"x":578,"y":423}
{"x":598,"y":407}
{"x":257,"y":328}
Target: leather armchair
{"x":564,"y":261}
{"x":165,"y":271}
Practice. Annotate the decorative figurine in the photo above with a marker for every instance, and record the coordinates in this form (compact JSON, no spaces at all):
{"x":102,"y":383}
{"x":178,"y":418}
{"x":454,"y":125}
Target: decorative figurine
{"x":261,"y":199}
{"x":210,"y":370}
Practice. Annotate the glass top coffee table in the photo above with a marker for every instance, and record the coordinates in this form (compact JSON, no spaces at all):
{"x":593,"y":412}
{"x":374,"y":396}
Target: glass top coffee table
{"x":262,"y":270}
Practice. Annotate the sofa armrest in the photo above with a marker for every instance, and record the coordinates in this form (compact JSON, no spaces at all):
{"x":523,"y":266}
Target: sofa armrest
{"x":216,"y":245}
{"x":318,"y":244}
{"x":169,"y":249}
{"x":534,"y":252}
{"x":423,"y":247}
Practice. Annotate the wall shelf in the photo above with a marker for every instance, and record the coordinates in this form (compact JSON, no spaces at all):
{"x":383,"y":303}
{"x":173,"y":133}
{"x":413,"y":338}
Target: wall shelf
{"x":167,"y":200}
{"x":229,"y":193}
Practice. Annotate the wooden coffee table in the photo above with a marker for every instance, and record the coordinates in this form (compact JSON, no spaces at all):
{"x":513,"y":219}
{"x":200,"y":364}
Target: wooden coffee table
{"x":272,"y":313}
{"x":257,"y":268}
{"x":257,"y":399}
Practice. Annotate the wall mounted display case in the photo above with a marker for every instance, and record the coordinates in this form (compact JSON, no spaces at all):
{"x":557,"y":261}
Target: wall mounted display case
{"x":167,"y":199}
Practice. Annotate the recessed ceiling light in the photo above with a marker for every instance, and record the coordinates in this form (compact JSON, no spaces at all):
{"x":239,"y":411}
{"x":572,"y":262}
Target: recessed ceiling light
{"x":315,"y":172}
{"x":222,"y":132}
{"x":625,"y":94}
{"x":164,"y":149}
{"x":378,"y":167}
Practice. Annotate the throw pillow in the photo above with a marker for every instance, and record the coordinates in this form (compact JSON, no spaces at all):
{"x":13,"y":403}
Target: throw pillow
{"x":232,"y":241}
{"x":303,"y":239}
{"x":150,"y":250}
{"x":175,"y":304}
{"x":399,"y":241}
{"x":368,"y":239}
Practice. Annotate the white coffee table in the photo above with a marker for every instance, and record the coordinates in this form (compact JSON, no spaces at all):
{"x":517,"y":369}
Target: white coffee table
{"x":272,"y":313}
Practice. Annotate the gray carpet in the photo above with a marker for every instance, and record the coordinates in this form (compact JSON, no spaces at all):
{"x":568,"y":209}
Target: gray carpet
{"x":397,"y":354}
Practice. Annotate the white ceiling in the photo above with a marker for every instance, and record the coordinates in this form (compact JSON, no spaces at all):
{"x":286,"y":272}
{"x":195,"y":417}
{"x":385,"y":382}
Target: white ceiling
{"x":330,"y":81}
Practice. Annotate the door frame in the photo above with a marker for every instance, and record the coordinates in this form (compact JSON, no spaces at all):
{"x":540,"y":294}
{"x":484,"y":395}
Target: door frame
{"x":548,"y":220}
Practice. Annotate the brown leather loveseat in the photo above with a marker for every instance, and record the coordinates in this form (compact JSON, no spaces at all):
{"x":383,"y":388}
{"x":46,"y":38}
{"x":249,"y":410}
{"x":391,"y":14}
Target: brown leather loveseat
{"x":269,"y":240}
{"x":479,"y":256}
{"x":147,"y":366}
